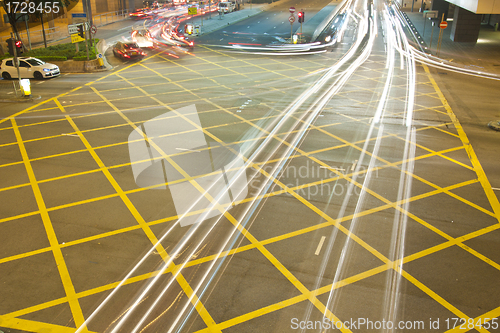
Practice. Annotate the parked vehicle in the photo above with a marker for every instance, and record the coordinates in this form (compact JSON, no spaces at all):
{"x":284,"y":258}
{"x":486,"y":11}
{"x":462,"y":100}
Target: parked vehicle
{"x":128,"y":50}
{"x":29,"y":67}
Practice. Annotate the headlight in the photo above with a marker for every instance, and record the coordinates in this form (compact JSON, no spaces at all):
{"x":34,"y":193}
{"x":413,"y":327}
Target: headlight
{"x":46,"y":70}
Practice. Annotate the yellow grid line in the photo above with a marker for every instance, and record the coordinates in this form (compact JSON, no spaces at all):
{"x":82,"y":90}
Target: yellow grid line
{"x":237,"y":225}
{"x":470,"y":151}
{"x":51,"y":235}
{"x":140,"y":220}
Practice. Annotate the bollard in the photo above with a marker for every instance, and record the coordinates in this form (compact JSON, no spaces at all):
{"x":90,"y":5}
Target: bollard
{"x":26,"y":87}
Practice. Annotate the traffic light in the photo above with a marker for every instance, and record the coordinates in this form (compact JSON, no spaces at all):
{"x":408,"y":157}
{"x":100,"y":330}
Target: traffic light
{"x":81,"y":31}
{"x":301,"y":17}
{"x":19,"y":47}
{"x":10,"y":46}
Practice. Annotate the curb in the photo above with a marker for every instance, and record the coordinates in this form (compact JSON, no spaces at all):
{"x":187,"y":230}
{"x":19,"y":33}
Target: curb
{"x":495,"y":125}
{"x":20,"y":99}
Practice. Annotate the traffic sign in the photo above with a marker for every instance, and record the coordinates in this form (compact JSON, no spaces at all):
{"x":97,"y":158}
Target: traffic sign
{"x":292,"y":10}
{"x":291,"y":19}
{"x":93,"y":29}
{"x":192,"y":11}
{"x":75,"y":38}
{"x":443,"y":24}
{"x":78,"y":18}
{"x":73,"y":28}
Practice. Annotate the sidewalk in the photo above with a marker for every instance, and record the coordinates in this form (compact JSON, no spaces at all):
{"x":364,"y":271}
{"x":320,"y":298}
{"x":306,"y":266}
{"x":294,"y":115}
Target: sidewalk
{"x":483,"y":55}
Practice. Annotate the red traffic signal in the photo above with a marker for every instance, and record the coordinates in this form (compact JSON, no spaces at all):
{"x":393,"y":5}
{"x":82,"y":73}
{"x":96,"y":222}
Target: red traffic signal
{"x":301,"y":17}
{"x":19,"y":46}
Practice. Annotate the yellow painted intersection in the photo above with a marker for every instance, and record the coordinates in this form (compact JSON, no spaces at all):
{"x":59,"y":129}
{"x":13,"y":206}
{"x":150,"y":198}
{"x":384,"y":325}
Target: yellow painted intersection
{"x":72,"y":297}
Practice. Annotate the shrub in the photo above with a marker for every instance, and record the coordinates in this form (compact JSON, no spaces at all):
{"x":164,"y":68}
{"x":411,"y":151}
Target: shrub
{"x":66,"y":51}
{"x":52,"y":58}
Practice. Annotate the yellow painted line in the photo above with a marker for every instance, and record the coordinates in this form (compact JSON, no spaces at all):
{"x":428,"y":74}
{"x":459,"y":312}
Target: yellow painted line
{"x":34,"y":326}
{"x":140,"y":220}
{"x":51,"y":235}
{"x":12,"y":218}
{"x":468,"y":148}
{"x":23,"y":111}
{"x":480,"y":256}
{"x":437,"y":153}
{"x":433,"y":295}
{"x":359,"y":241}
{"x":35,"y":308}
{"x":63,"y":94}
{"x":231,"y":219}
{"x":254,"y":65}
{"x":445,"y":157}
{"x":447,"y":132}
{"x":195,"y":262}
{"x":14,"y":186}
{"x":297,"y":299}
{"x":487,"y":317}
{"x":24,"y":255}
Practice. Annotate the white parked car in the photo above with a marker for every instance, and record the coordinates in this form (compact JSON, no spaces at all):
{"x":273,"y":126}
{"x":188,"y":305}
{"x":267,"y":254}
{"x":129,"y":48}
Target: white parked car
{"x":29,"y":67}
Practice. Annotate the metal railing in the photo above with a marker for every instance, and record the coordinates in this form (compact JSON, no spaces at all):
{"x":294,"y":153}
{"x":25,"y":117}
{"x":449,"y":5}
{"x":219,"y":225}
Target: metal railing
{"x":105,"y":18}
{"x":36,"y":36}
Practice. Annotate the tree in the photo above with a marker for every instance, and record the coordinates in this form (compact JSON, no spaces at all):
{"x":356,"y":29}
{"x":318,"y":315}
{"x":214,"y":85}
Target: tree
{"x":13,"y":10}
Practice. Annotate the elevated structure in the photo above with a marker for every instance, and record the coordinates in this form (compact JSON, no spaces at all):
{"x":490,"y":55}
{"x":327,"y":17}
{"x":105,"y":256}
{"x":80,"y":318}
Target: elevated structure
{"x":466,"y":16}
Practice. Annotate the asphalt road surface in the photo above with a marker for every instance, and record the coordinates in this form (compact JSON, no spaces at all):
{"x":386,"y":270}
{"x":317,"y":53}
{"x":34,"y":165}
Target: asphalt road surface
{"x":210,"y":191}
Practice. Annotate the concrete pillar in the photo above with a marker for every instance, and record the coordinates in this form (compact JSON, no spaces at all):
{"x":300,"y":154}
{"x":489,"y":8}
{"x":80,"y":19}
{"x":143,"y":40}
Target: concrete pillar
{"x":441,"y":6}
{"x":465,"y":26}
{"x":131,"y":6}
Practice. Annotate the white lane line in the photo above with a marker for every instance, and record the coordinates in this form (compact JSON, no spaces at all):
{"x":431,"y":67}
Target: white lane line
{"x":327,"y":167}
{"x":495,"y":189}
{"x":320,"y":245}
{"x":185,"y":149}
{"x":354,"y":165}
{"x":67,"y":134}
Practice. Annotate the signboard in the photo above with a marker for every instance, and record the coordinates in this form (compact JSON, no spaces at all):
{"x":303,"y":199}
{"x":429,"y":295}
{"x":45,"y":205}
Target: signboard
{"x":73,"y":28}
{"x":79,"y":17}
{"x":192,"y":11}
{"x":443,"y":25}
{"x":292,"y":9}
{"x":75,"y":38}
{"x":431,"y":13}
